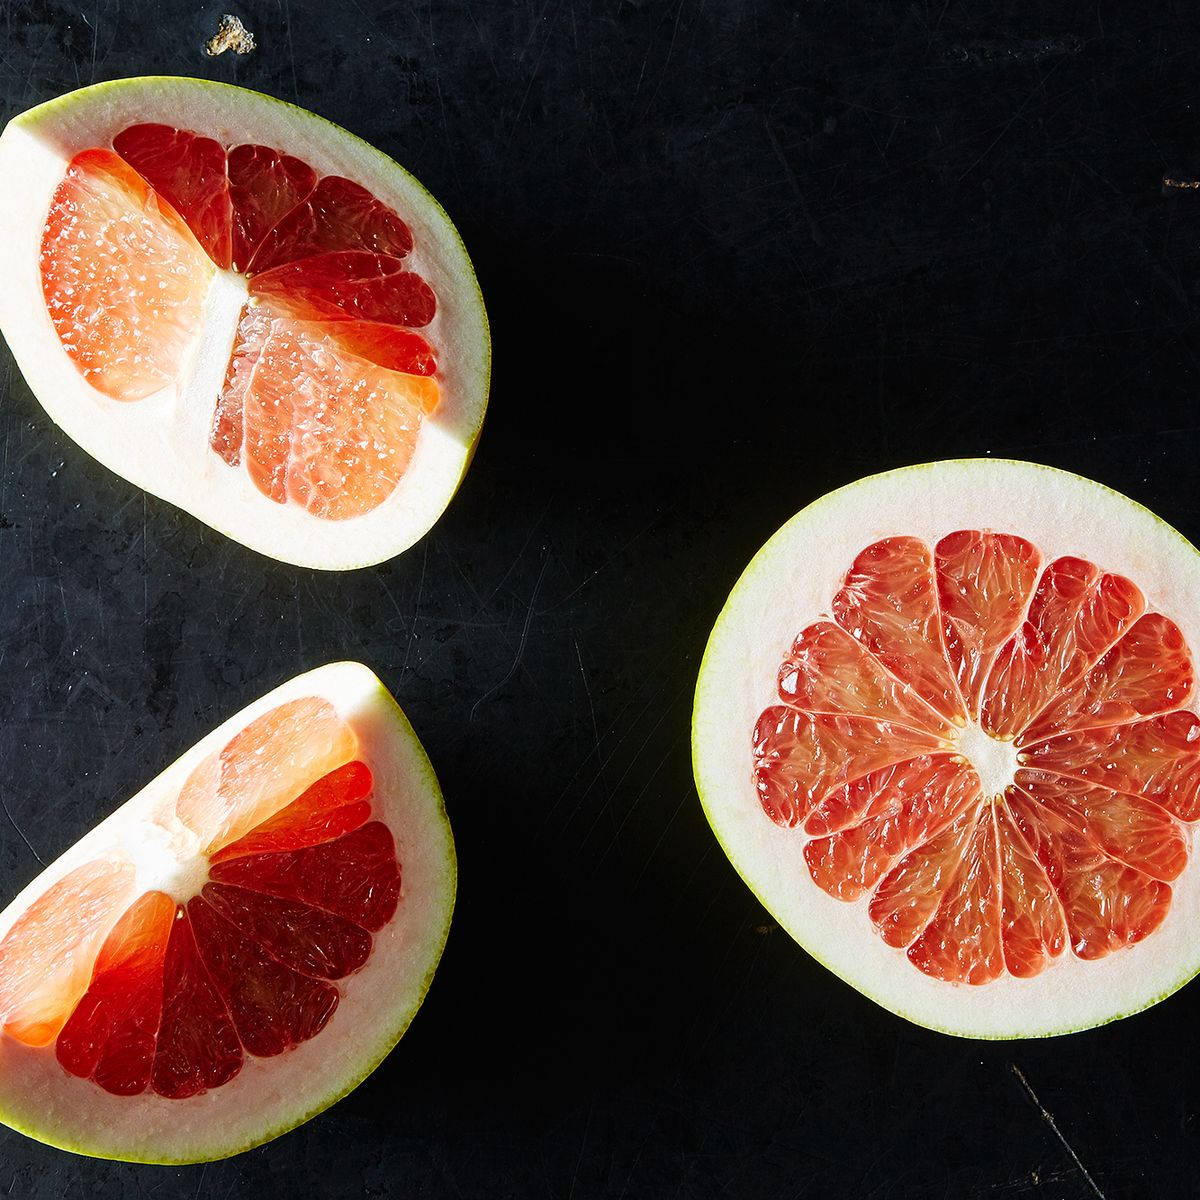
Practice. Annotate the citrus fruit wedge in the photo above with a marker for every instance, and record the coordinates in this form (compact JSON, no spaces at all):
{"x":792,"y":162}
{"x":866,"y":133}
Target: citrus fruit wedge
{"x":245,"y":310}
{"x":241,"y":943}
{"x":946,"y":729}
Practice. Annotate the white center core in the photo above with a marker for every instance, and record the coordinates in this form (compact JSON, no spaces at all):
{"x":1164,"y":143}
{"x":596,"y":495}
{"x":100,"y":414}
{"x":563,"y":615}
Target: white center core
{"x":170,"y":861}
{"x":994,"y":761}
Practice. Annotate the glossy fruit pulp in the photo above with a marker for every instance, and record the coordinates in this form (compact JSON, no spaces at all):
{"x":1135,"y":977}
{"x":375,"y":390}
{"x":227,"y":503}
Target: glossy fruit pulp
{"x":328,"y":381}
{"x":170,"y":993}
{"x":862,"y":756}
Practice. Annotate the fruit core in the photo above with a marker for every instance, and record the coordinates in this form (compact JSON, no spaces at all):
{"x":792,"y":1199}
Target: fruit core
{"x":238,"y":279}
{"x":225,"y":924}
{"x":991,"y":754}
{"x":994,"y":760}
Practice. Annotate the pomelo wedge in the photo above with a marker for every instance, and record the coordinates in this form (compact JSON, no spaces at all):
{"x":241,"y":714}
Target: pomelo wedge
{"x":241,"y":943}
{"x":946,"y":729}
{"x":245,"y":310}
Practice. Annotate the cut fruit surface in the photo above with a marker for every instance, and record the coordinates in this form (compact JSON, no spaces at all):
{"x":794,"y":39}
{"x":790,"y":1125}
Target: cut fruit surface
{"x":259,"y":925}
{"x":974,"y":802}
{"x":245,"y":310}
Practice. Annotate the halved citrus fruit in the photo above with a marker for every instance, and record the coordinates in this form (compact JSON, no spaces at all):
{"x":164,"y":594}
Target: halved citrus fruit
{"x":946,"y":729}
{"x":245,"y":310}
{"x":241,"y":943}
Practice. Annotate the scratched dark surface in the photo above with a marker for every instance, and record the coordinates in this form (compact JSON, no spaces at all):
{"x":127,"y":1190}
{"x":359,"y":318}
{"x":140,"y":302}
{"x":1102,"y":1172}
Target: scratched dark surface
{"x":735,"y":254}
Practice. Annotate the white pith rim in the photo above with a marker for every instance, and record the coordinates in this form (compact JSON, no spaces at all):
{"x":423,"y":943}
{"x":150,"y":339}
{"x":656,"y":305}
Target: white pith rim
{"x":790,"y":583}
{"x":161,"y":443}
{"x":269,"y":1095}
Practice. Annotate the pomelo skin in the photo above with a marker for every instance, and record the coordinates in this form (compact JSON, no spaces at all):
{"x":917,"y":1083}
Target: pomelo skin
{"x":270,"y":1095}
{"x":790,"y":583}
{"x":161,"y":443}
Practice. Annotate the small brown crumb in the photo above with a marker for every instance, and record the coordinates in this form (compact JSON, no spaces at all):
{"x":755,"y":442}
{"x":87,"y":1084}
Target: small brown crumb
{"x":231,"y":35}
{"x":1189,"y":184}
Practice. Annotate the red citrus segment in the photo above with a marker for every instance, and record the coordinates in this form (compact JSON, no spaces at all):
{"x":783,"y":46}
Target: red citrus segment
{"x":263,"y":768}
{"x":327,"y":430}
{"x":356,"y":877}
{"x":911,"y":892}
{"x":888,"y":601}
{"x":1076,"y":613}
{"x":828,"y":671}
{"x":306,"y":939}
{"x":188,"y":171}
{"x":1107,"y":904}
{"x":799,"y":758}
{"x":273,"y":1008}
{"x":111,"y":1035}
{"x":198,"y":1048}
{"x":984,"y":583}
{"x":1127,"y":828}
{"x":961,"y":943}
{"x":123,"y":278}
{"x":1158,"y":758}
{"x":384,"y":345}
{"x":1148,"y":671}
{"x":905,"y":806}
{"x":47,"y":955}
{"x":337,"y":215}
{"x":264,"y":186}
{"x":334,"y":805}
{"x":1033,"y":931}
{"x":348,"y":285}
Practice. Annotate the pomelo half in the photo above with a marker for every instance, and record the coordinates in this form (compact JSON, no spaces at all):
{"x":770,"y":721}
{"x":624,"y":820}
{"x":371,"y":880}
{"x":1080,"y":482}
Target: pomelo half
{"x":946,"y":729}
{"x":245,"y":310}
{"x":238,"y":945}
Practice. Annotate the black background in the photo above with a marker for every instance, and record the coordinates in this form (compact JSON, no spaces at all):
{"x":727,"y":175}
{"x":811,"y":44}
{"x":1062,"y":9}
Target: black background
{"x":735,"y":254}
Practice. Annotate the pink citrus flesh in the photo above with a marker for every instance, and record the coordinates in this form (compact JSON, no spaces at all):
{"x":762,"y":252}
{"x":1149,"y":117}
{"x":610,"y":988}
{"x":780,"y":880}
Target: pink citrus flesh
{"x":329,"y":377}
{"x":1073,"y":854}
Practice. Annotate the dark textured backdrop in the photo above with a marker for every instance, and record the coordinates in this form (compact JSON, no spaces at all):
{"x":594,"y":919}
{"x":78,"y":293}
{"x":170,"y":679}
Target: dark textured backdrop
{"x":735,"y":253}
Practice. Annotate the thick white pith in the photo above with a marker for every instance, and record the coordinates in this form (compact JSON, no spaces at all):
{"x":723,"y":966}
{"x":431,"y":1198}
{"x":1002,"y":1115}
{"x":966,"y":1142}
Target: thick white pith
{"x":160,"y":443}
{"x":994,"y":760}
{"x":268,"y":1096}
{"x":789,"y":584}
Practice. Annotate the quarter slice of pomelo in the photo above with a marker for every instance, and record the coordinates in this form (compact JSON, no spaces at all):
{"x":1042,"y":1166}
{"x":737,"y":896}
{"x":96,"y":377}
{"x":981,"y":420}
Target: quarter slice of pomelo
{"x":245,"y":310}
{"x":241,"y":943}
{"x":946,"y":729}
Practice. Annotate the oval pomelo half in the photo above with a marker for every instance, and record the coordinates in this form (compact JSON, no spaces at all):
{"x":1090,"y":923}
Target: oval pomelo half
{"x":238,"y":945}
{"x":245,"y":310}
{"x":946,"y":729}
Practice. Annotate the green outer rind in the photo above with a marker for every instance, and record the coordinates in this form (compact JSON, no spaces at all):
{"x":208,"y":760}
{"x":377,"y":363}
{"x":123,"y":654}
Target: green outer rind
{"x":429,"y":778}
{"x":49,"y":109}
{"x":756,"y":564}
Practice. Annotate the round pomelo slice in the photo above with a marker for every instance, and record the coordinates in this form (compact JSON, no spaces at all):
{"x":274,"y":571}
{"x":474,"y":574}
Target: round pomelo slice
{"x":946,"y":729}
{"x":245,"y":310}
{"x":241,"y":943}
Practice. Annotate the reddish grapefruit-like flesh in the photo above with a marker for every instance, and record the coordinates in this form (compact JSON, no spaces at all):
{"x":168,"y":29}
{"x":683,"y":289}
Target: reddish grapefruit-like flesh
{"x":154,"y":992}
{"x":1062,"y":662}
{"x":328,"y":380}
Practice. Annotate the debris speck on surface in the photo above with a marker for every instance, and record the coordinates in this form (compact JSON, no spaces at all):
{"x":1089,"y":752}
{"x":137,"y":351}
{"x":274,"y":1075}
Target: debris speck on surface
{"x":231,"y":35}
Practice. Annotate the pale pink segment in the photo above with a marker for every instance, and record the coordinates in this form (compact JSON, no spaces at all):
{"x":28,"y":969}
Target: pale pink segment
{"x":1033,"y":929}
{"x":1148,"y":671}
{"x":909,"y":895}
{"x":828,"y":671}
{"x":1158,"y":758}
{"x":905,"y":806}
{"x":262,"y":768}
{"x":1077,"y":612}
{"x":46,"y":957}
{"x":961,"y":943}
{"x":984,"y":583}
{"x":799,"y":758}
{"x":1108,"y":905}
{"x":1125,"y":827}
{"x":889,"y":602}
